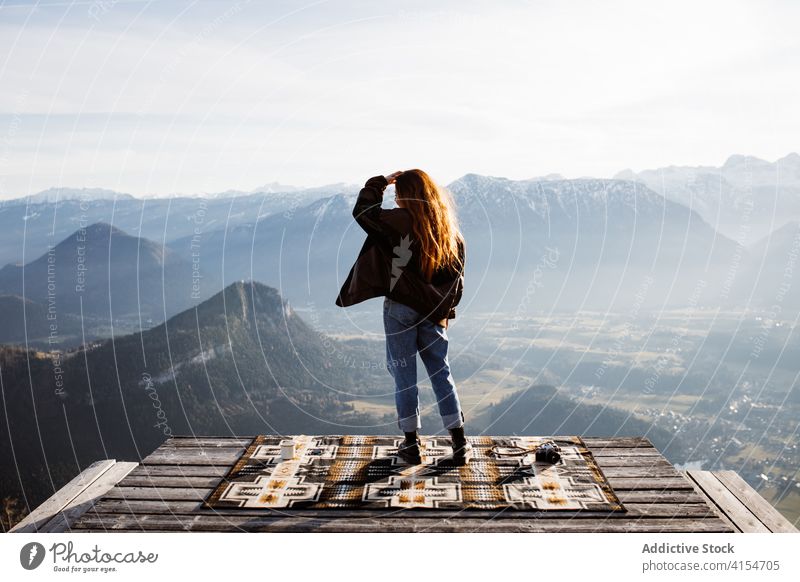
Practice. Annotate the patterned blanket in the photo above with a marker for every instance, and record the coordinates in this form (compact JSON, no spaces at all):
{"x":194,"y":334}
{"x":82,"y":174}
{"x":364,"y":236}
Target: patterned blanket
{"x":363,"y":472}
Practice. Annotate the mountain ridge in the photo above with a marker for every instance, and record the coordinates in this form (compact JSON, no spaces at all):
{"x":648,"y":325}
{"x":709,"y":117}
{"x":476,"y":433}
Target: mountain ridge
{"x":745,"y":199}
{"x":100,"y":270}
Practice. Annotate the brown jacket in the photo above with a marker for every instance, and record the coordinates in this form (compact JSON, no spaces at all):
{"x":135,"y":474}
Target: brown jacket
{"x":388,"y":263}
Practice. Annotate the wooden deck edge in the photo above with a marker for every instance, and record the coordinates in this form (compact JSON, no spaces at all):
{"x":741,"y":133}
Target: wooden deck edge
{"x":73,"y":499}
{"x":760,"y":507}
{"x":703,"y":484}
{"x":738,"y":503}
{"x":64,"y":520}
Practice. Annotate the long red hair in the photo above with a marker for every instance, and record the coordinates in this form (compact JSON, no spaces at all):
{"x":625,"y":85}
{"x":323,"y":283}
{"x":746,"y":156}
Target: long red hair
{"x":435,"y":222}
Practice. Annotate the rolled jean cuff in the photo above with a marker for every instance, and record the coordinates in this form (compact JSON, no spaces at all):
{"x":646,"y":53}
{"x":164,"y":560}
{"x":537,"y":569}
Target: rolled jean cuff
{"x":409,"y":423}
{"x":453,"y":420}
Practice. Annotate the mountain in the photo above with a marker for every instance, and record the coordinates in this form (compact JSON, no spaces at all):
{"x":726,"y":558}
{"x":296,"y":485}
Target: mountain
{"x":531,"y":245}
{"x":29,"y":323}
{"x":29,"y":226}
{"x":20,"y":315}
{"x":268,"y":188}
{"x":293,"y":251}
{"x":538,"y":244}
{"x":55,"y":195}
{"x":242,"y":362}
{"x":100,"y":271}
{"x":584,"y":243}
{"x":746,"y":198}
{"x":278,"y":191}
{"x":769,"y":279}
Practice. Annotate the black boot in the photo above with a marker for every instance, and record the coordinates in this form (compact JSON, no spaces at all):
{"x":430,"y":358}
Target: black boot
{"x":457,"y":436}
{"x":409,"y":449}
{"x":462,"y":449}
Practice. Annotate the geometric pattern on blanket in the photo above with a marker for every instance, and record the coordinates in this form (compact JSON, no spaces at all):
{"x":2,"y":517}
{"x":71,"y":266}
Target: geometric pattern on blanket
{"x":363,"y":472}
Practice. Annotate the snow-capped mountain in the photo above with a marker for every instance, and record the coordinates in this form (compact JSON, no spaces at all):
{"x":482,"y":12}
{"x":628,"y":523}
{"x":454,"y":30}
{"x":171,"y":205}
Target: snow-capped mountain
{"x":54,"y":195}
{"x":746,"y":198}
{"x":578,"y":242}
{"x":544,"y":242}
{"x":28,"y":226}
{"x":554,"y":199}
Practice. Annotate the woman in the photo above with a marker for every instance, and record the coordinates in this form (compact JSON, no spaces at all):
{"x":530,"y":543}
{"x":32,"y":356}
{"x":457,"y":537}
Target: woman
{"x":413,"y":257}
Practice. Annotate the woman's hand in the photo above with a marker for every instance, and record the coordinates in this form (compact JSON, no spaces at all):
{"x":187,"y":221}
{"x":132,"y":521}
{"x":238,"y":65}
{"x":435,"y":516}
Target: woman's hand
{"x":392,"y":177}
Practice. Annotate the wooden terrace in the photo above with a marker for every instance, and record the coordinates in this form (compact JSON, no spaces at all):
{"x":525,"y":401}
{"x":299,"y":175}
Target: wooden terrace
{"x":164,"y":492}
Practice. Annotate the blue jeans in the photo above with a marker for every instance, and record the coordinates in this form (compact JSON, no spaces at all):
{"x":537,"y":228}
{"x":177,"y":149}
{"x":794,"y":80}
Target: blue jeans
{"x":406,"y":333}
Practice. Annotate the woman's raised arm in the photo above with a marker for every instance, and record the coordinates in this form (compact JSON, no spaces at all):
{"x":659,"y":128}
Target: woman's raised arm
{"x":367,"y":210}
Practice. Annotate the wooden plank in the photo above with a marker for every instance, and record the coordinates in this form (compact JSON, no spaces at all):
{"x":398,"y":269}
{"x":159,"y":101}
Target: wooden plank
{"x":624,"y":461}
{"x":758,"y":506}
{"x":601,"y":452}
{"x":623,"y":483}
{"x":659,"y":496}
{"x":641,"y":471}
{"x":61,"y":498}
{"x":597,"y":442}
{"x":176,"y":493}
{"x":711,"y":503}
{"x":148,"y":492}
{"x":153,"y":506}
{"x":168,"y":481}
{"x":206,"y":442}
{"x":726,"y":502}
{"x":115,"y":522}
{"x":219,"y":455}
{"x":194,"y":456}
{"x":181,"y":470}
{"x":74,"y":509}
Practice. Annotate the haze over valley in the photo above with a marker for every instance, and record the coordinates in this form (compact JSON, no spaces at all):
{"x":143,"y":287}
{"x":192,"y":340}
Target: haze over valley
{"x":660,"y":303}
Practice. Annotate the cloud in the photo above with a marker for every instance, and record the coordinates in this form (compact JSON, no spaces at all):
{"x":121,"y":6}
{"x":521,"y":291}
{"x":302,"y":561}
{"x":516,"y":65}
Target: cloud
{"x":202,"y":96}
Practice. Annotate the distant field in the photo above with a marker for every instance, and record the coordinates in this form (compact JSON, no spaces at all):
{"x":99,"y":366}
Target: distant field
{"x":682,"y":403}
{"x":476,"y":394}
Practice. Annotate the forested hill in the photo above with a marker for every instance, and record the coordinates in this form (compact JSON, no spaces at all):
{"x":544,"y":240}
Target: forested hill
{"x":242,"y":362}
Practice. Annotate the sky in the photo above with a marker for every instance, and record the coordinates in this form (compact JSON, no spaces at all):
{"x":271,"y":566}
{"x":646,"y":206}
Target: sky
{"x":160,"y":98}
